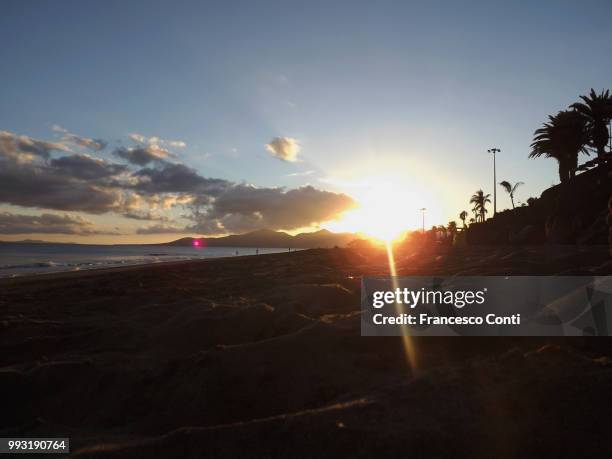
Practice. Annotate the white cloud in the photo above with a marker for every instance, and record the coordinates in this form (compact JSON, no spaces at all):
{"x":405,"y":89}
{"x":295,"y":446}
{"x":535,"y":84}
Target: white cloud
{"x":301,"y":174}
{"x":156,"y":141}
{"x":284,"y":148}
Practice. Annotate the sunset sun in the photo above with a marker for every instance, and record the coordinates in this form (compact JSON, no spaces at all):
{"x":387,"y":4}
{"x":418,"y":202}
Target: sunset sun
{"x":384,"y":211}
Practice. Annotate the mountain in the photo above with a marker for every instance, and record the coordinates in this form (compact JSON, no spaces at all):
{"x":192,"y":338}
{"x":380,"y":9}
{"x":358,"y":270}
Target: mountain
{"x":272,"y":239}
{"x":35,"y":241}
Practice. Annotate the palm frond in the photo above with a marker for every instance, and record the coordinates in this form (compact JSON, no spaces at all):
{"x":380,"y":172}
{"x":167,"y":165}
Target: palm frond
{"x":506,"y":185}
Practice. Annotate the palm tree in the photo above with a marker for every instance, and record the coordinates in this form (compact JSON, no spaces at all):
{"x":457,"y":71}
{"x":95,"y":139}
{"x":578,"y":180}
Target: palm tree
{"x":463,"y":216}
{"x":511,"y":189}
{"x":597,"y":109}
{"x":480,"y":200}
{"x":476,"y":213}
{"x":562,"y":138}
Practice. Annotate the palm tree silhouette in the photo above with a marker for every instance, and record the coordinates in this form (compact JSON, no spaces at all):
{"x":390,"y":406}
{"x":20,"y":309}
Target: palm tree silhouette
{"x":480,"y":200}
{"x":511,"y":189}
{"x":597,"y":109}
{"x":562,"y":138}
{"x":476,"y":213}
{"x":463,"y":216}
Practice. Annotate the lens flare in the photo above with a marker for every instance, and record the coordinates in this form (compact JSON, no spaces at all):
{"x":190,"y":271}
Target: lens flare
{"x":409,"y":349}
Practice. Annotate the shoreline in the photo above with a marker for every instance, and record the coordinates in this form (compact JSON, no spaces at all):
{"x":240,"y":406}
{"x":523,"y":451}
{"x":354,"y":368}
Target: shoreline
{"x":136,"y":266}
{"x":144,"y":261}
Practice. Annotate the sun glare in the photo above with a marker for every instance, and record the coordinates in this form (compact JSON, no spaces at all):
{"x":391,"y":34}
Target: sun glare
{"x":384,"y":212}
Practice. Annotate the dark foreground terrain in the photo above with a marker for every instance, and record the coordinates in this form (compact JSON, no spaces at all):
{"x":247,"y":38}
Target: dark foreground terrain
{"x":262,"y":356}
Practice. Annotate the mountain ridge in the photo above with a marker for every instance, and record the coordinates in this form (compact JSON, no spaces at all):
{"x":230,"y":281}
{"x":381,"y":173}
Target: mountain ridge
{"x":273,"y":239}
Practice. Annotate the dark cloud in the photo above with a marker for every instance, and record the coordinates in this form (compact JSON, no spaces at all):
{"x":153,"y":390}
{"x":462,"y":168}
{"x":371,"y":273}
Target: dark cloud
{"x":244,"y":207}
{"x":85,"y":167}
{"x":177,"y":178}
{"x":31,"y":186}
{"x":71,"y":183}
{"x":142,"y":155}
{"x":45,"y":223}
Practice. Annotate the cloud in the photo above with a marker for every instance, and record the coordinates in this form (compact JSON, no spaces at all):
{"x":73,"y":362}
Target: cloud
{"x":177,"y":178}
{"x":85,"y":167}
{"x":284,"y":148}
{"x":92,"y":144}
{"x":24,"y":148}
{"x":139,"y":138}
{"x":34,"y":186}
{"x":141,"y":156}
{"x":245,"y":207}
{"x":46,"y":223}
{"x":39,"y":174}
{"x":160,"y":229}
{"x":149,"y":150}
{"x":139,"y":215}
{"x":301,"y":174}
{"x":30,"y":177}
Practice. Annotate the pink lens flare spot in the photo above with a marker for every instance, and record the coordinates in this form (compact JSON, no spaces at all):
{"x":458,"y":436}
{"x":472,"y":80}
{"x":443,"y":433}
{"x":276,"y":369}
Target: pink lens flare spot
{"x":197,"y":243}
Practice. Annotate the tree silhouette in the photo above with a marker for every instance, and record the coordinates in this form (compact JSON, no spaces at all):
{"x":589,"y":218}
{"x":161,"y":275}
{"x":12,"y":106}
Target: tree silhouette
{"x":476,"y":214}
{"x":597,"y":109}
{"x":480,"y":200}
{"x":463,"y":216}
{"x":562,"y":138}
{"x":511,"y":189}
{"x":452,"y":230}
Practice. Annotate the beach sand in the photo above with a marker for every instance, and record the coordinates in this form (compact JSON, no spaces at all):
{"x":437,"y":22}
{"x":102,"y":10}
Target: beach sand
{"x":262,"y":356}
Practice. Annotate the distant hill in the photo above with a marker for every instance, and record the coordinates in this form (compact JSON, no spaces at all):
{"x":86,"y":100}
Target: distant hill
{"x":34,"y":241}
{"x":273,"y":239}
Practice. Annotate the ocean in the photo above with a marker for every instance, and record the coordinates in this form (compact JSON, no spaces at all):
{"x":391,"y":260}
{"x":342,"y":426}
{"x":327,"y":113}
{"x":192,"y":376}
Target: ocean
{"x":18,"y":259}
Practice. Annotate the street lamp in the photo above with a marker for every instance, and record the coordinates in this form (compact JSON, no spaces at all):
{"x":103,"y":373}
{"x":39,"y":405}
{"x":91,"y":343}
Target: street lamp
{"x":423,"y":212}
{"x":494,"y":150}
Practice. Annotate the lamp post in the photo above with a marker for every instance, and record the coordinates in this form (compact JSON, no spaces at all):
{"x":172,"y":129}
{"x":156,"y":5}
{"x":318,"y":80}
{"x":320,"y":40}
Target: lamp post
{"x":423,"y":213}
{"x":494,"y":150}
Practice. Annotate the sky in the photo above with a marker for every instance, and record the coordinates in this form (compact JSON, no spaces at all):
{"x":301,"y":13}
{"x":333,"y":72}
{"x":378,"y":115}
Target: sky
{"x":126,"y":121}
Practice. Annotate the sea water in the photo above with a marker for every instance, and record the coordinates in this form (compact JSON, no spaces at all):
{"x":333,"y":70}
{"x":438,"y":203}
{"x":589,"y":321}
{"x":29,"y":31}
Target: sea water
{"x":17,"y":259}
